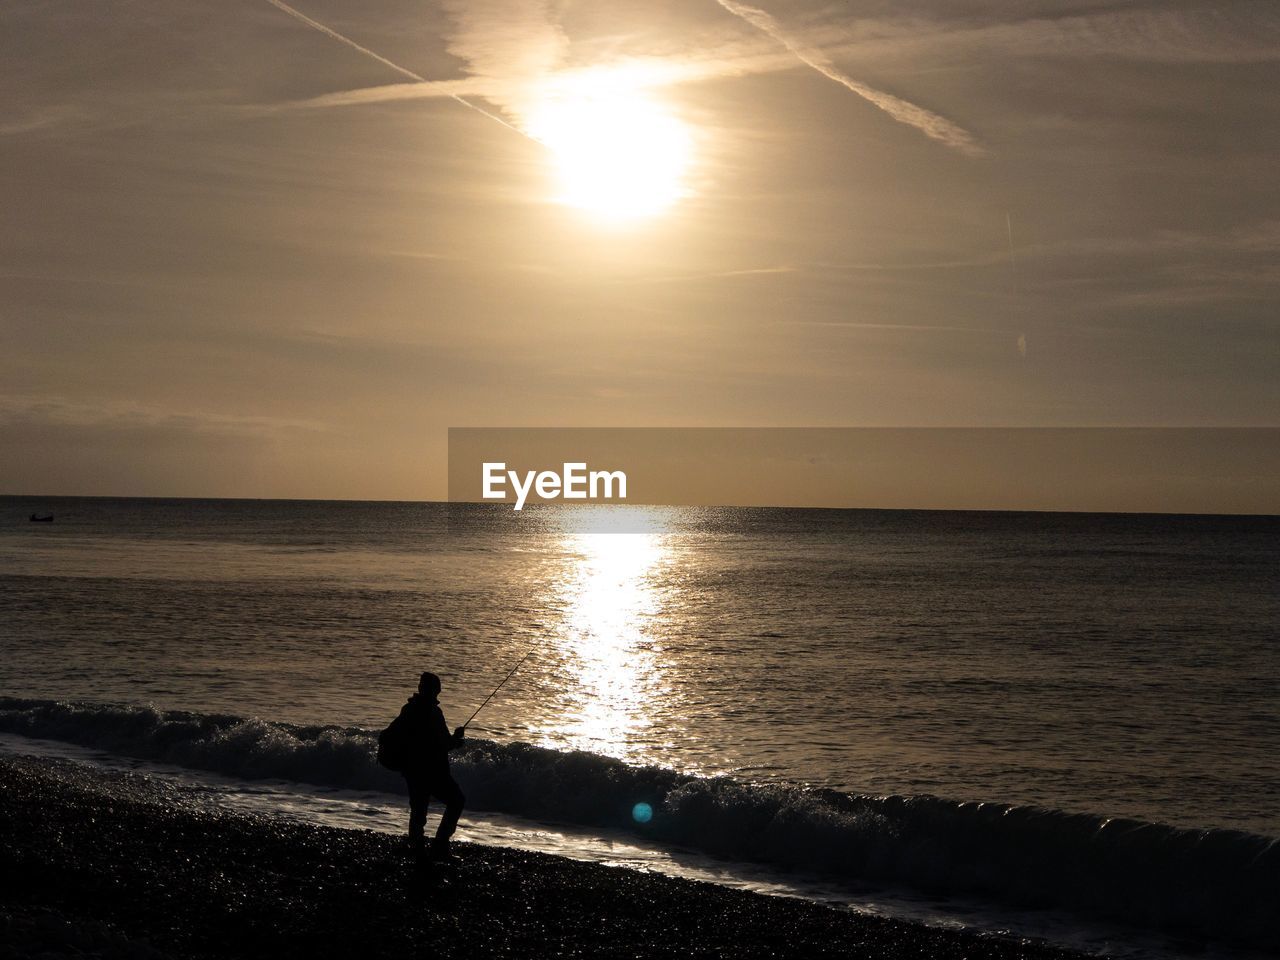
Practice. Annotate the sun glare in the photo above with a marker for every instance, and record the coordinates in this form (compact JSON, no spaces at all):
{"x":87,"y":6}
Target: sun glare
{"x":617,"y":154}
{"x":612,"y":671}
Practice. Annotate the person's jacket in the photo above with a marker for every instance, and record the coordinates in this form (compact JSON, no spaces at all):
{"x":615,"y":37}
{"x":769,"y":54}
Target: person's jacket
{"x":428,"y":737}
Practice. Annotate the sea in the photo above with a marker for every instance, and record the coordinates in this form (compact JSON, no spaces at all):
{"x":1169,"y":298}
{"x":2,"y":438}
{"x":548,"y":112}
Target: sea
{"x":1062,"y":727}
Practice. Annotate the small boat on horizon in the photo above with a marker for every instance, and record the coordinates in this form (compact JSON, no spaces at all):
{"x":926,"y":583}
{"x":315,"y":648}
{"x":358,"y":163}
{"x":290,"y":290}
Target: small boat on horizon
{"x":47,"y":518}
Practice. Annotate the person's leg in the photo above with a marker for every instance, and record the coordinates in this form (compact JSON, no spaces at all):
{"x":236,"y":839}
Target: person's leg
{"x":445,"y":789}
{"x":419,"y":797}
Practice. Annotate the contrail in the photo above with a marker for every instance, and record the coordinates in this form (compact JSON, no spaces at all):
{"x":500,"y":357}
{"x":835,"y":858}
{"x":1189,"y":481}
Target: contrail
{"x":335,"y":35}
{"x":927,"y":122}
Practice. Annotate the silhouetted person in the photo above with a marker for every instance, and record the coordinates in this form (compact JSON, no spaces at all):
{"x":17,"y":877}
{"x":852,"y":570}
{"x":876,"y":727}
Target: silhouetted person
{"x":426,"y":768}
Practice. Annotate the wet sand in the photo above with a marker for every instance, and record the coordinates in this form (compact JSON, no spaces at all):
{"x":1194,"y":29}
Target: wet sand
{"x":106,"y":865}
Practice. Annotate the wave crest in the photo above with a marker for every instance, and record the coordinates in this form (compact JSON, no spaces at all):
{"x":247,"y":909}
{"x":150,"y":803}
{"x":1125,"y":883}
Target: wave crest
{"x":1219,"y":883}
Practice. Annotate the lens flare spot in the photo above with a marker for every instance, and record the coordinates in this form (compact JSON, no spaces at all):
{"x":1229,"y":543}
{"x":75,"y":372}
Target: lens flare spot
{"x":642,"y":813}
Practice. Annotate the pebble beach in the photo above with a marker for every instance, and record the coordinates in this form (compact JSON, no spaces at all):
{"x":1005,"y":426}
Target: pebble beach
{"x":115,"y":865}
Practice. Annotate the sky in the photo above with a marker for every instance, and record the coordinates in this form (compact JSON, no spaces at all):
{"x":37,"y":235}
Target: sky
{"x":251,"y":248}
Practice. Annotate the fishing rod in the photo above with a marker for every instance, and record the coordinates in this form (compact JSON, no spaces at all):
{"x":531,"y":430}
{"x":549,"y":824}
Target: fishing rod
{"x":498,"y":687}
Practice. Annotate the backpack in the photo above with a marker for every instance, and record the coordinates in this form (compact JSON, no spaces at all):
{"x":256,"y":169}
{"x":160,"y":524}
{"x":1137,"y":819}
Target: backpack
{"x":393,"y":746}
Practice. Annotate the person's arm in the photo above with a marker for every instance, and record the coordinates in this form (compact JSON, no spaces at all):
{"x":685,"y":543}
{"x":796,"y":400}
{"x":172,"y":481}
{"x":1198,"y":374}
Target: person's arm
{"x":446,"y":740}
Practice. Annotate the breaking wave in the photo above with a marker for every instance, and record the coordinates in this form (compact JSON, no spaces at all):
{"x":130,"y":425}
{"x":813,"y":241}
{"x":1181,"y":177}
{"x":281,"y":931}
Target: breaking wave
{"x":1219,"y":883}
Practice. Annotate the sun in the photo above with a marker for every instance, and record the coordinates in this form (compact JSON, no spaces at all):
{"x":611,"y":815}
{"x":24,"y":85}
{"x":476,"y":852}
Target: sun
{"x":617,"y":154}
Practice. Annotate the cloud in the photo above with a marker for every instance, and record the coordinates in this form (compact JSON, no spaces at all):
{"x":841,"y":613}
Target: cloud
{"x":993,"y":259}
{"x":930,"y":124}
{"x":79,"y":445}
{"x":508,"y":45}
{"x":872,"y":325}
{"x":390,"y":93}
{"x":508,"y":48}
{"x":512,"y":45}
{"x":335,"y":35}
{"x":1254,"y":245}
{"x":716,"y":274}
{"x":652,"y":72}
{"x":1208,"y":33}
{"x":40,"y":120}
{"x":52,"y":412}
{"x":1195,"y":31}
{"x":512,"y":49}
{"x":1164,"y":268}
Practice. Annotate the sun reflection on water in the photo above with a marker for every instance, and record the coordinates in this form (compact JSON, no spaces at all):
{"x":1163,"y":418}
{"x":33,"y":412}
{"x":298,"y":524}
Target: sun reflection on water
{"x":610,"y":668}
